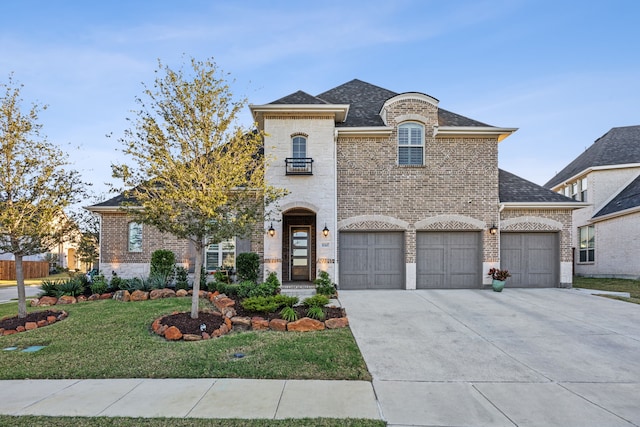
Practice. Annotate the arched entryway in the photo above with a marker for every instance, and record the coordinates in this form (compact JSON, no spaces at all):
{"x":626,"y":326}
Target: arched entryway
{"x":299,"y":245}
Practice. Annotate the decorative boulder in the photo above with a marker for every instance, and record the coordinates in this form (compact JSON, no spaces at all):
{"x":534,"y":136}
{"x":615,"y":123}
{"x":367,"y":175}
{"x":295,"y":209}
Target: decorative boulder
{"x":338,"y":322}
{"x":173,"y":334}
{"x":241,"y":323}
{"x":278,"y":325}
{"x":182,"y":293}
{"x":139,"y":295}
{"x":122,"y":295}
{"x":161,"y":293}
{"x":305,"y":325}
{"x":259,"y":324}
{"x":47,"y":301}
{"x":30,"y":326}
{"x":67,"y":299}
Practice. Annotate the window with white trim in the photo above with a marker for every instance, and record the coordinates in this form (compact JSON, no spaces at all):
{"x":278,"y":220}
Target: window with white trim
{"x":221,"y":254}
{"x":587,"y":250}
{"x":411,"y":144}
{"x":135,"y":237}
{"x":299,"y":147}
{"x":583,"y":189}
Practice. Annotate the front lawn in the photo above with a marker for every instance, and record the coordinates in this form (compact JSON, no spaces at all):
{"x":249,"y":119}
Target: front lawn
{"x":614,"y":285}
{"x":111,"y":339}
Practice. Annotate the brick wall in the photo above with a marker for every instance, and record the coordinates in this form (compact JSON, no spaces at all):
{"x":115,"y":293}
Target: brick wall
{"x":459,"y":176}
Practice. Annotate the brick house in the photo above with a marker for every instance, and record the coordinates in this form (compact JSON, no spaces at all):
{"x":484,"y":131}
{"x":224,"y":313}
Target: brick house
{"x":387,"y":191}
{"x":607,"y":231}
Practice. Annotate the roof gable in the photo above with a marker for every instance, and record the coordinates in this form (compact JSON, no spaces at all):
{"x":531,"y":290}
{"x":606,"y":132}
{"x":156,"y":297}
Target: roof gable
{"x":513,"y":189}
{"x":621,"y":145}
{"x":299,"y":97}
{"x":628,"y":198}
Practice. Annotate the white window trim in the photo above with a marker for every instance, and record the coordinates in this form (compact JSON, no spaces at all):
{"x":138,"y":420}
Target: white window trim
{"x":587,"y":248}
{"x":422,"y":145}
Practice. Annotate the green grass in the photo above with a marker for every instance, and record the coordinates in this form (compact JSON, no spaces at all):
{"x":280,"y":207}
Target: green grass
{"x":111,"y":339}
{"x":10,"y":421}
{"x":614,"y":285}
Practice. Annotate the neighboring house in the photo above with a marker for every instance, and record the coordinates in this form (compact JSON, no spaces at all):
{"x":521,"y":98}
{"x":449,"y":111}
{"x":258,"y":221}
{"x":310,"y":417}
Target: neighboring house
{"x":606,"y":234}
{"x":386,"y":191}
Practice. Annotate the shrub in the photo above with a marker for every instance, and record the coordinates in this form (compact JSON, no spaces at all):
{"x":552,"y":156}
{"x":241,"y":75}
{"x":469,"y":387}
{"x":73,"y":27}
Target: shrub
{"x":71,"y":287}
{"x":248,"y":266}
{"x":182,"y":281}
{"x":222,"y":276}
{"x":156,"y":280}
{"x":116,"y":282}
{"x":315,"y":312}
{"x":262,"y":304}
{"x":245,"y":289}
{"x":226,"y":289}
{"x":268,"y":304}
{"x":98,"y":284}
{"x":50,"y":288}
{"x":289,"y":314}
{"x":324,"y":285}
{"x":163,"y":264}
{"x":316,"y":301}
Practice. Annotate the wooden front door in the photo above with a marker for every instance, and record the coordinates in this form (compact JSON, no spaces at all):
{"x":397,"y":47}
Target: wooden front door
{"x":300,"y":253}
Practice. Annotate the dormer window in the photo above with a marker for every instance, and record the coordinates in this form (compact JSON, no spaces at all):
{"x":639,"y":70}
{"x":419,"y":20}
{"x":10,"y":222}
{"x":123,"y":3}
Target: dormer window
{"x":411,"y":144}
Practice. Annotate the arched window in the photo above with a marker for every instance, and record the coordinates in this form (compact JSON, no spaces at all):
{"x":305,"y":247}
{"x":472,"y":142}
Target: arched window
{"x":135,"y":237}
{"x":411,"y":144}
{"x":299,"y":145}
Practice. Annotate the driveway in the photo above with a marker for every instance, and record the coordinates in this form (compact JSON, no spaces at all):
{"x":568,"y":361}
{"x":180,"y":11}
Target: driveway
{"x":523,"y":357}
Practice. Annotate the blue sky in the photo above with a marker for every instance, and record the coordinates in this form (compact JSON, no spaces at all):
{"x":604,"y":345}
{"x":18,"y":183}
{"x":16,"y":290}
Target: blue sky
{"x":563,"y":72}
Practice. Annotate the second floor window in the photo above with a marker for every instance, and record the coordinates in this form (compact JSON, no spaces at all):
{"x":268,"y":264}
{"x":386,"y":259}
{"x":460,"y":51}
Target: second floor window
{"x":299,"y":147}
{"x":411,"y":144}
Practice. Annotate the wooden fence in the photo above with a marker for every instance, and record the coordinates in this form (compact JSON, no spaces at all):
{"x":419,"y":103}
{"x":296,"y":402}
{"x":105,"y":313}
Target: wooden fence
{"x":32,"y":269}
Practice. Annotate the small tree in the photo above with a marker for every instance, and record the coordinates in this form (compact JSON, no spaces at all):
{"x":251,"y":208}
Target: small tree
{"x":194,"y":173}
{"x":248,"y":266}
{"x":35,"y":187}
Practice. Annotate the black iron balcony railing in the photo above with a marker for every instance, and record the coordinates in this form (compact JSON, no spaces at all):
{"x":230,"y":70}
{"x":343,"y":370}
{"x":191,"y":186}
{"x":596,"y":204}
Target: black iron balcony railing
{"x":299,"y":166}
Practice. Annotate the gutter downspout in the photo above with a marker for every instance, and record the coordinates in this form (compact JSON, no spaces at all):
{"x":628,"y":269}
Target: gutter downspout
{"x":335,"y":206}
{"x":500,"y":209}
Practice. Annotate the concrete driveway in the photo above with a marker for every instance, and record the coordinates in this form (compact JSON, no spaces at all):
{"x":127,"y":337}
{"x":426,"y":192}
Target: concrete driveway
{"x":523,"y":357}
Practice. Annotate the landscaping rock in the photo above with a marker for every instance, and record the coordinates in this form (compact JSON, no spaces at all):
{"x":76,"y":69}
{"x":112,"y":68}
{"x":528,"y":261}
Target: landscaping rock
{"x":191,"y":337}
{"x":338,"y":322}
{"x":227,"y":321}
{"x":156,"y":325}
{"x":51,"y":319}
{"x":81,"y":298}
{"x":30,"y":326}
{"x":122,"y":295}
{"x":162,"y":293}
{"x":10,"y":332}
{"x":206,"y":336}
{"x":182,"y":293}
{"x":305,"y":325}
{"x":173,"y":334}
{"x":93,"y":297}
{"x":21,"y":329}
{"x":259,"y":324}
{"x":241,"y":323}
{"x":34,"y":302}
{"x":278,"y":325}
{"x":139,"y":295}
{"x":67,"y":299}
{"x":42,"y":323}
{"x":107,"y":295}
{"x":47,"y":301}
{"x":212,"y":295}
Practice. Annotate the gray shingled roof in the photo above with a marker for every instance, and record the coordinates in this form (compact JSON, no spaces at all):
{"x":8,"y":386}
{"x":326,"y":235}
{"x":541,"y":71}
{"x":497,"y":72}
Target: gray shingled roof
{"x":299,"y":97}
{"x":365,"y":102}
{"x":626,"y":199}
{"x":115,"y":201}
{"x":514,"y":189}
{"x":618,"y":146}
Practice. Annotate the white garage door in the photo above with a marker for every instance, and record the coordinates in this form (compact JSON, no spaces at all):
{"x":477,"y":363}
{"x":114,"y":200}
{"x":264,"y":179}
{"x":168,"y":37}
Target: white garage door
{"x":372,"y":260}
{"x":531,"y":258}
{"x":448,"y":259}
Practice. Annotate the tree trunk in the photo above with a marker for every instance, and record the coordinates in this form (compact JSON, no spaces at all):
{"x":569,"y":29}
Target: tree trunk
{"x":22,"y":297}
{"x":195,"y":298}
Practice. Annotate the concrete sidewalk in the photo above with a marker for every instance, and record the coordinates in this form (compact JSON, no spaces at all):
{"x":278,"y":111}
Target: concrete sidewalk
{"x":190,"y":398}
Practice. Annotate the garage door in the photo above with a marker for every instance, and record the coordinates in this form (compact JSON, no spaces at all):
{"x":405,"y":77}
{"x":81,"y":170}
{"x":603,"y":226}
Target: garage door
{"x":531,"y":258}
{"x":371,"y":260}
{"x":448,"y":259}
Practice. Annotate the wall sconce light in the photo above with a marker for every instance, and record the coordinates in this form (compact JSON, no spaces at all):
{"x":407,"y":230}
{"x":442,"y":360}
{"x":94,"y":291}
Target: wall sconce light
{"x":272,"y":231}
{"x":325,"y":231}
{"x":493,"y":230}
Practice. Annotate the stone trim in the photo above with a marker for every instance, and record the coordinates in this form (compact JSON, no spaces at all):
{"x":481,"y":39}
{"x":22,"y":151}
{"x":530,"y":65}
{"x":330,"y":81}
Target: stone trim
{"x":412,"y":118}
{"x":450,"y":222}
{"x":298,"y":204}
{"x":530,"y":223}
{"x":372,"y":222}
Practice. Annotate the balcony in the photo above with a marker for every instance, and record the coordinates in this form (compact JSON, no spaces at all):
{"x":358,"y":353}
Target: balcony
{"x":299,"y":166}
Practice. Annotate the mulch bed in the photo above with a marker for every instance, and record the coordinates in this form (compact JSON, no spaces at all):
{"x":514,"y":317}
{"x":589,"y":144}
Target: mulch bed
{"x":9,"y":323}
{"x":213,"y":321}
